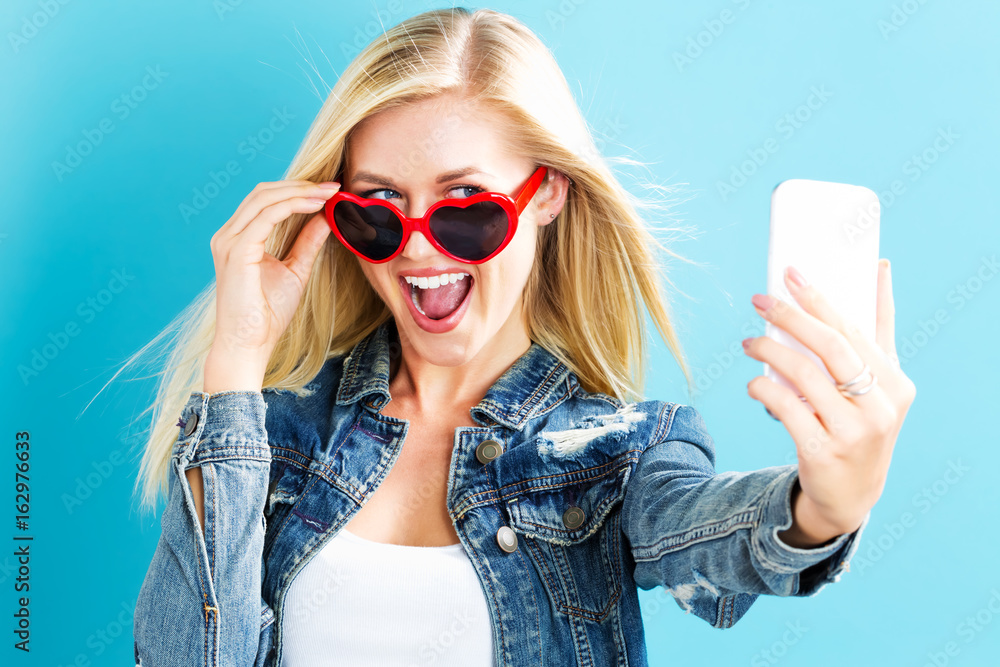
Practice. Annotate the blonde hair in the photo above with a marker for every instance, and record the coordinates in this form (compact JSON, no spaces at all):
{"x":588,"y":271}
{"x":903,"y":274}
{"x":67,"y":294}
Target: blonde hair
{"x":591,"y":263}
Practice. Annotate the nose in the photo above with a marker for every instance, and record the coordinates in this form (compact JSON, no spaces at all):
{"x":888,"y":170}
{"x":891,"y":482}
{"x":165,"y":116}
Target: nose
{"x":419,"y":247}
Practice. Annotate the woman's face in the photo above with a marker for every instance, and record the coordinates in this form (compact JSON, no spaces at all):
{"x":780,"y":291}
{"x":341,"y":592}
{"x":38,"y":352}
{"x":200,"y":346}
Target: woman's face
{"x":414,"y":156}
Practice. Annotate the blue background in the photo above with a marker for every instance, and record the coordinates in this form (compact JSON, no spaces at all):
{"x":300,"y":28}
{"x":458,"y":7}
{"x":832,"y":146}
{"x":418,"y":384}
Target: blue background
{"x":897,"y":73}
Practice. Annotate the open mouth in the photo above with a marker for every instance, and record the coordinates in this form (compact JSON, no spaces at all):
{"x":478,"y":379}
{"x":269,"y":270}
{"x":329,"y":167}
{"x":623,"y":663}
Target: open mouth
{"x":437,"y":304}
{"x":436,"y":300}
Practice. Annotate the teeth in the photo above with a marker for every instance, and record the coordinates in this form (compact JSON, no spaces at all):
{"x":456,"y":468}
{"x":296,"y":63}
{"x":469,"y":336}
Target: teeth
{"x":413,"y":298}
{"x":432,"y":282}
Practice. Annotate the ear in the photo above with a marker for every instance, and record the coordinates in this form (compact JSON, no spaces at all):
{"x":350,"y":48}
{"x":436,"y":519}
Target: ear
{"x":551,"y":196}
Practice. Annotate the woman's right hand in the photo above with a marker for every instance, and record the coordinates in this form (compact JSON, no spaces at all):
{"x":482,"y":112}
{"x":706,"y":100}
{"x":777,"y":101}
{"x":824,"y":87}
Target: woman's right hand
{"x":257,"y":294}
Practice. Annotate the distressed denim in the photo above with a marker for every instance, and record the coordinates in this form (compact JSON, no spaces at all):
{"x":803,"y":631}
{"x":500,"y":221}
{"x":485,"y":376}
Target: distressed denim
{"x":284,"y":473}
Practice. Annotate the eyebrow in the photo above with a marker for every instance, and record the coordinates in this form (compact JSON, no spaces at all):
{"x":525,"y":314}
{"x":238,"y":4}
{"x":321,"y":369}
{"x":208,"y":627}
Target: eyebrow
{"x":369,"y":177}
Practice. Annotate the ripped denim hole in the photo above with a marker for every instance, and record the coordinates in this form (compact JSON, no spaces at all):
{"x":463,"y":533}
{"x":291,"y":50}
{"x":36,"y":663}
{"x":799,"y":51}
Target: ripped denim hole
{"x":571,"y":441}
{"x":683,"y":593}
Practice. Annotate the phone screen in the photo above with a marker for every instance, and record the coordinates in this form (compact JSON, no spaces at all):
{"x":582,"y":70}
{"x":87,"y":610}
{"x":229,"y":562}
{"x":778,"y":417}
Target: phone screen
{"x":830,"y":233}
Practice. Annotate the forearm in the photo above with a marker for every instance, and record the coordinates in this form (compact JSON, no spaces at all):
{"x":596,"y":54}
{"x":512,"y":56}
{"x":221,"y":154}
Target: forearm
{"x":222,"y":375}
{"x":716,"y":538}
{"x":201,"y":594}
{"x":724,"y":526}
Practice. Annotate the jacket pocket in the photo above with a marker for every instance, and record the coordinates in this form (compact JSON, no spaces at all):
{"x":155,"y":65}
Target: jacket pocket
{"x":571,"y":529}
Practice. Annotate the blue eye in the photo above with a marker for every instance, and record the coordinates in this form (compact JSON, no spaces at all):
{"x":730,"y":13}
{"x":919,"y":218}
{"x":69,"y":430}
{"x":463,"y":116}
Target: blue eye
{"x":369,"y":194}
{"x":471,"y":189}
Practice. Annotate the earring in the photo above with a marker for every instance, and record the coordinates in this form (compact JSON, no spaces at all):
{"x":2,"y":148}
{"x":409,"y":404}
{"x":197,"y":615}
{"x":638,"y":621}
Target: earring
{"x":552,"y":215}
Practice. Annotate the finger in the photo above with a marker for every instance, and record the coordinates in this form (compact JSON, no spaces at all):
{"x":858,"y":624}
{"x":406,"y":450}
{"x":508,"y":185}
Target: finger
{"x":802,"y":371}
{"x":260,"y":187}
{"x":268,"y":194}
{"x":260,"y":228}
{"x":841,"y":345}
{"x":804,"y":426}
{"x":307,"y":246}
{"x":885,"y":320}
{"x":832,"y":350}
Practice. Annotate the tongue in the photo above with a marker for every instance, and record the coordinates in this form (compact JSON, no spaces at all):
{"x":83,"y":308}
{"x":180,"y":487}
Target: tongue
{"x":442,"y":301}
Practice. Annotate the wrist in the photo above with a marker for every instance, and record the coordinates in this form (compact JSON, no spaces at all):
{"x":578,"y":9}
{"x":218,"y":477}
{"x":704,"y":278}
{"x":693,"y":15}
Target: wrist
{"x":232,"y":373}
{"x":811,"y":528}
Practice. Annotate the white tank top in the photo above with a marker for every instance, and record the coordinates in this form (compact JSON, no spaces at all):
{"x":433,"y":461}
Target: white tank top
{"x":359,"y":603}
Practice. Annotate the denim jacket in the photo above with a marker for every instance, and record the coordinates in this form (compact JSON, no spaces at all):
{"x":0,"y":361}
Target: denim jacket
{"x":603,"y":497}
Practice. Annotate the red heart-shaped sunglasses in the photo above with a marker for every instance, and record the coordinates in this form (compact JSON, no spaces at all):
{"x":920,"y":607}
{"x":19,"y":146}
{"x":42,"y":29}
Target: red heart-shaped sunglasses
{"x":471,"y":229}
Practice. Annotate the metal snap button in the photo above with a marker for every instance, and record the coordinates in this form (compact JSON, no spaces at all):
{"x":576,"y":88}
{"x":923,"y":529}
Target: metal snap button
{"x":192,"y":424}
{"x":488,"y":450}
{"x":507,"y":539}
{"x":573,"y":517}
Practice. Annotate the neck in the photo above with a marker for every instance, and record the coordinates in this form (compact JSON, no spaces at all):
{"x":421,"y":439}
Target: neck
{"x":420,"y":387}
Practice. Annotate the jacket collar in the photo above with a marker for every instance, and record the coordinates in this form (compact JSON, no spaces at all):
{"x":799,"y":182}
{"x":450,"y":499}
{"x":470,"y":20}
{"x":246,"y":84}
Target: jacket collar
{"x":514,"y":397}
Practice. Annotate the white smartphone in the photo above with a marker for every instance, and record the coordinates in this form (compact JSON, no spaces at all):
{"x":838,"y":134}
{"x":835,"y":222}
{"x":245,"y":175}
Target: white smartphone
{"x":830,"y":233}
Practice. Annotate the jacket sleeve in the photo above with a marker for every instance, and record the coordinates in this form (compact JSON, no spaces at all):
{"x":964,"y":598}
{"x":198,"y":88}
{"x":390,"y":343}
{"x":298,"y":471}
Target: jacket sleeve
{"x":200,"y":601}
{"x":711,"y":539}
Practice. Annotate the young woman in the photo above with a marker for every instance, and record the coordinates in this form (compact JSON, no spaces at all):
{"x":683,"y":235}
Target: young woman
{"x":422,"y":440}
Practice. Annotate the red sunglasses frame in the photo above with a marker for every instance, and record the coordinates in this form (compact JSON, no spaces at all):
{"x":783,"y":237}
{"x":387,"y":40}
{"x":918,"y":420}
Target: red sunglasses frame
{"x":512,"y":206}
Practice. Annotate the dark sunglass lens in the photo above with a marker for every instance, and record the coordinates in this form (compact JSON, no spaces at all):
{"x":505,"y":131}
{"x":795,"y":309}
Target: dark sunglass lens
{"x":473,"y":232}
{"x":374,"y":231}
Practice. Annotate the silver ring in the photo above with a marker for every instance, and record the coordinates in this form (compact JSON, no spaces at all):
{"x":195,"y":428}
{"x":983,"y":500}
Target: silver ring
{"x":844,"y":387}
{"x":860,"y":376}
{"x":860,"y":391}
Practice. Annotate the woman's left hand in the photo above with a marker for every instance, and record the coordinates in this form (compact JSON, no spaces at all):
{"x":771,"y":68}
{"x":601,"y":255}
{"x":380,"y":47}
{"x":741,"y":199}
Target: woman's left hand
{"x":845,"y":447}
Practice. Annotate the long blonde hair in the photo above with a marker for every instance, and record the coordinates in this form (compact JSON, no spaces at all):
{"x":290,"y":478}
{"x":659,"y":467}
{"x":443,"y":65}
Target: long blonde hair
{"x":592,"y":267}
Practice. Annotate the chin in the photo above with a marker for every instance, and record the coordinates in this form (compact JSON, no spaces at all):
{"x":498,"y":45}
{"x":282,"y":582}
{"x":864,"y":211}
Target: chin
{"x":453,"y":348}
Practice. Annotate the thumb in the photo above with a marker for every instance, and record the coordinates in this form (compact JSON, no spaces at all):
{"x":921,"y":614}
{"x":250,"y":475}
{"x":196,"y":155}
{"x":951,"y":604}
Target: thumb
{"x":311,"y":238}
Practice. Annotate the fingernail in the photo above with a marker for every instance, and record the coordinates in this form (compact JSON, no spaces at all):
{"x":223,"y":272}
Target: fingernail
{"x":746,"y":343}
{"x":329,"y":185}
{"x":762,"y":301}
{"x":796,"y":277}
{"x":885,"y":263}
